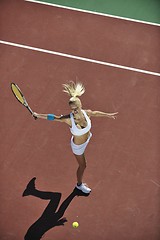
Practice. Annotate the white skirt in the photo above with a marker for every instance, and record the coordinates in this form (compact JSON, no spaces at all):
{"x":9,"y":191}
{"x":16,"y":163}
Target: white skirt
{"x":79,"y":149}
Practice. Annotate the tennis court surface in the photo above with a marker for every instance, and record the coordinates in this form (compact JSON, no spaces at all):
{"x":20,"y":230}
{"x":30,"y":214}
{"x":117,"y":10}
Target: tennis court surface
{"x":43,"y":46}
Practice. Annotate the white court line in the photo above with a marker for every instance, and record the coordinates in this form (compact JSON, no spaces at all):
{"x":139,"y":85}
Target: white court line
{"x":92,"y":12}
{"x":79,"y":58}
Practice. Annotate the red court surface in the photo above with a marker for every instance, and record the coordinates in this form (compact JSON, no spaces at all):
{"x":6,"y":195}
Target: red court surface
{"x":101,"y":38}
{"x":123,"y":155}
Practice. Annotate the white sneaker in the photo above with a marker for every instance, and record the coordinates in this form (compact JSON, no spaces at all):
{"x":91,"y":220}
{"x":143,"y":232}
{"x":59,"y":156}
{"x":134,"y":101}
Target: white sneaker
{"x":84,"y":188}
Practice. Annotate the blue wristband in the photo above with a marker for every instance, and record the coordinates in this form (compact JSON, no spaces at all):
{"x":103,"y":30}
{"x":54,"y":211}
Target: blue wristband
{"x":50,"y":117}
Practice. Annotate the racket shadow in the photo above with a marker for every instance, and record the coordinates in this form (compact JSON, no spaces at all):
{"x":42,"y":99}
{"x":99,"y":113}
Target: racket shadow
{"x":51,"y":217}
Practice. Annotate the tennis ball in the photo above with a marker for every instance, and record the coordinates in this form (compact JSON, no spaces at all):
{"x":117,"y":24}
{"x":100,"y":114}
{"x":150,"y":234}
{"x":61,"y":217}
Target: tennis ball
{"x":75,"y":224}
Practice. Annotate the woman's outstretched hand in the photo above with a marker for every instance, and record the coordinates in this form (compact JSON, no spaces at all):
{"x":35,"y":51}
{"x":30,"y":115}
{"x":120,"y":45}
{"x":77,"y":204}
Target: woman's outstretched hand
{"x":35,"y":115}
{"x":112,"y":115}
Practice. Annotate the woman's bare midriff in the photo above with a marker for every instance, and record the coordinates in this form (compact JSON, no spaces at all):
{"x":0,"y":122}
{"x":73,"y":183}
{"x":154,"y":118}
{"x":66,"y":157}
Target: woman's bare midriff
{"x":81,"y":139}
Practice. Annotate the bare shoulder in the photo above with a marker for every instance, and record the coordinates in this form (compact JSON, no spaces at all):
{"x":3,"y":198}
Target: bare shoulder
{"x":89,"y":112}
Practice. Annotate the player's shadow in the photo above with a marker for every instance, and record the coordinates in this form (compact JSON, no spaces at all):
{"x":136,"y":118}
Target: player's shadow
{"x":50,"y":217}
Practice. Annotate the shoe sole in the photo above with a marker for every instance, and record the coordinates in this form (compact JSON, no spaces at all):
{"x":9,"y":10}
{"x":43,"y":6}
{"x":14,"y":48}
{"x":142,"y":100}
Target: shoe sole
{"x":83,"y":191}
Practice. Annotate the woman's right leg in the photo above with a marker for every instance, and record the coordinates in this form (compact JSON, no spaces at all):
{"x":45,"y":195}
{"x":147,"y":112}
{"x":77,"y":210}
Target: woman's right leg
{"x":81,"y":168}
{"x":80,"y":171}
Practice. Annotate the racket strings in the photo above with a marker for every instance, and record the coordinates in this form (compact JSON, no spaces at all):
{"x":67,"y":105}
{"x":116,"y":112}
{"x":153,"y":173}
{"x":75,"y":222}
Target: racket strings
{"x":18,"y":94}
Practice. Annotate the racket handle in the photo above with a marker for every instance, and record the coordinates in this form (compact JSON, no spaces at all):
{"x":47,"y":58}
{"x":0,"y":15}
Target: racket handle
{"x":30,"y":110}
{"x":35,"y":118}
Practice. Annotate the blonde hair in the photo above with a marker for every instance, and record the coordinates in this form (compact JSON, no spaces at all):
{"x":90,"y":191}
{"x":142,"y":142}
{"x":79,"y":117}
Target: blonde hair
{"x":74,"y":90}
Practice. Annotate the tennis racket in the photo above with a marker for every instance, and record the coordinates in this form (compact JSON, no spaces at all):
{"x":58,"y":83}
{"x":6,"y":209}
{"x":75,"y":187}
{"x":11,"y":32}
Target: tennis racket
{"x":20,"y":97}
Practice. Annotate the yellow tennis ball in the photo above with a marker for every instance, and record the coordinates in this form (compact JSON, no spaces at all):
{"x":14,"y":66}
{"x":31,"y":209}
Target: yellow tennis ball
{"x":75,"y":224}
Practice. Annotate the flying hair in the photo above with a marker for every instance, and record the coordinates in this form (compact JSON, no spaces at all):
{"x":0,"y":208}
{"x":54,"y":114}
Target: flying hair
{"x":74,"y":90}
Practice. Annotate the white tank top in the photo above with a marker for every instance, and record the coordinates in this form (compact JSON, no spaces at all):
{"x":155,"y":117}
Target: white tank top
{"x":75,"y":130}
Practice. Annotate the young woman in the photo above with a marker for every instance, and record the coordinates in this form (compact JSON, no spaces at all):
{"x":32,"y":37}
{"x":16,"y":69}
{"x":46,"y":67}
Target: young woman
{"x":80,"y":126}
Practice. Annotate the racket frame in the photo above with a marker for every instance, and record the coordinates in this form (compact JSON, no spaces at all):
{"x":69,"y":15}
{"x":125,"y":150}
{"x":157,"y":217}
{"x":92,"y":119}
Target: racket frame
{"x":25,"y":104}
